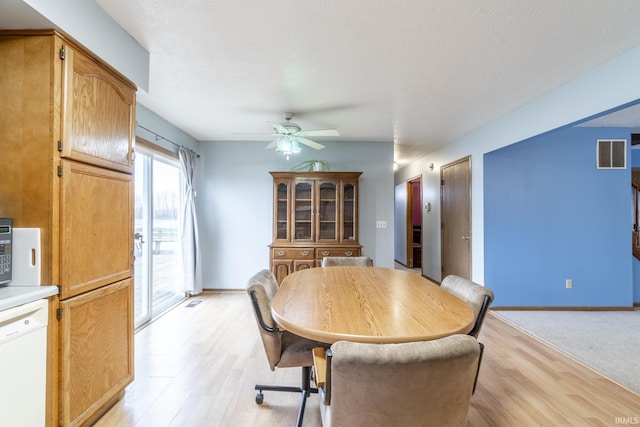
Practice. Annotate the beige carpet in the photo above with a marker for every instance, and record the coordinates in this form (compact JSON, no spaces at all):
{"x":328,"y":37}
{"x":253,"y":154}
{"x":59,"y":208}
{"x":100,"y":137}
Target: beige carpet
{"x":606,"y":341}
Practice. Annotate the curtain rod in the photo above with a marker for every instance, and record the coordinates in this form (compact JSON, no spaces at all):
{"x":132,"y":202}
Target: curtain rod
{"x":158,"y":136}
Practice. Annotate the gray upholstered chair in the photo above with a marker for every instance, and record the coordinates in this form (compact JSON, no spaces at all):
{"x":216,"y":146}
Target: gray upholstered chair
{"x":410,"y":384}
{"x":478,"y":297}
{"x":283,"y":349}
{"x":330,"y":261}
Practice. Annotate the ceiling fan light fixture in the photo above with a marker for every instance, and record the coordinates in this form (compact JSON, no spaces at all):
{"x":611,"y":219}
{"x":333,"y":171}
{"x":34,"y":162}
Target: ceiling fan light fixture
{"x":287,"y":145}
{"x":290,"y":137}
{"x":283,"y":144}
{"x":295,"y":147}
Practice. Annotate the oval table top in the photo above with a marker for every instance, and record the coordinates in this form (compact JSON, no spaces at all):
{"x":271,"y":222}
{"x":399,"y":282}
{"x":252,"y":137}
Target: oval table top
{"x":367,"y":304}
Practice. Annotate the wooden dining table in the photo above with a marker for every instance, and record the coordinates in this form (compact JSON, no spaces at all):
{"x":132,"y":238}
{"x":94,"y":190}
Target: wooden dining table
{"x":367,"y":304}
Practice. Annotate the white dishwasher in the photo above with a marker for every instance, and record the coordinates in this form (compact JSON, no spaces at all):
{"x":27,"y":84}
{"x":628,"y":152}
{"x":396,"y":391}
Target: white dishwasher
{"x":23,"y":364}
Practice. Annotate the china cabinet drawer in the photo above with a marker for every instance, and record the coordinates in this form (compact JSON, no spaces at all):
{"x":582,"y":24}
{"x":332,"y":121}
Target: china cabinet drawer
{"x":291,"y":253}
{"x":323,"y":252}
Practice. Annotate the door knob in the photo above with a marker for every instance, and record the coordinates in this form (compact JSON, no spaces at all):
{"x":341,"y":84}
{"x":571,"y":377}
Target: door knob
{"x":465,"y":237}
{"x":139,"y":236}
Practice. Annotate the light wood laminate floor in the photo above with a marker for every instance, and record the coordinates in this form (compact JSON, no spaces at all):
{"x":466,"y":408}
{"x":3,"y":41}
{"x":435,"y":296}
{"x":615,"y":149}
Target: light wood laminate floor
{"x":197,"y":367}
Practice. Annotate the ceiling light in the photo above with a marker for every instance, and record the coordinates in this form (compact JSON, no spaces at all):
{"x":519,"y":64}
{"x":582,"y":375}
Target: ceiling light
{"x":287,"y":145}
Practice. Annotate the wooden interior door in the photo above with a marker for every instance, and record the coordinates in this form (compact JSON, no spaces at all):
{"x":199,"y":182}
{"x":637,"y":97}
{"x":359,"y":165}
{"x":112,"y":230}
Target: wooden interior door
{"x":455,"y":202}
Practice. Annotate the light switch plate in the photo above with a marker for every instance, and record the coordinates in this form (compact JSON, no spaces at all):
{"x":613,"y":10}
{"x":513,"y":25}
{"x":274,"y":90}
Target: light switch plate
{"x":381,"y":224}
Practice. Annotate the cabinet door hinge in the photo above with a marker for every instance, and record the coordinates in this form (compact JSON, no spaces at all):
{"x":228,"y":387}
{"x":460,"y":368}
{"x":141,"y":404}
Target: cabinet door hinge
{"x":442,"y":182}
{"x":60,"y":170}
{"x":59,"y":314}
{"x":60,"y":145}
{"x":62,"y":53}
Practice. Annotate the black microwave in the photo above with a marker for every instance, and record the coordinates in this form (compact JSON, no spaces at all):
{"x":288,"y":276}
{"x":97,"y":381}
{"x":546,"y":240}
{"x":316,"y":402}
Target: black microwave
{"x":6,"y":241}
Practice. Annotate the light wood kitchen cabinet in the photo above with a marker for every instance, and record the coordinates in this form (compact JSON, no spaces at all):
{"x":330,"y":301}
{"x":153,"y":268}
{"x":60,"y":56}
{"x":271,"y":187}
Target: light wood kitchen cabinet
{"x":96,"y":351}
{"x":95,"y":232}
{"x":68,"y":121}
{"x":315,"y":214}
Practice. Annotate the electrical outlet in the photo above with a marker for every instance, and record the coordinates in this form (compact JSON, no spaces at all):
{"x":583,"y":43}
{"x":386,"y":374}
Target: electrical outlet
{"x":381,"y":224}
{"x":568,"y":283}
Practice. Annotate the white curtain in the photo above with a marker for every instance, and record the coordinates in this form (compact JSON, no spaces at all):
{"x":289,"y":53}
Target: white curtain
{"x":191,"y":260}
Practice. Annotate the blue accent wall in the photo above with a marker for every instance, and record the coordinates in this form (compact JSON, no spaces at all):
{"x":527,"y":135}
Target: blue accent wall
{"x":551,"y":215}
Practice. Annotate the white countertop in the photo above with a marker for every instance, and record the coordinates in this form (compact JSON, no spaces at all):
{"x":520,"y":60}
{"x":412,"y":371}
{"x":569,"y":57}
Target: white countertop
{"x":13,"y":296}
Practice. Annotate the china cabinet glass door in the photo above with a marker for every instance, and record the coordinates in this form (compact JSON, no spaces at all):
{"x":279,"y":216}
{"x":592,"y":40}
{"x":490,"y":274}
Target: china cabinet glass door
{"x":349,"y":212}
{"x":282,"y":212}
{"x":328,"y":212}
{"x":303,"y":211}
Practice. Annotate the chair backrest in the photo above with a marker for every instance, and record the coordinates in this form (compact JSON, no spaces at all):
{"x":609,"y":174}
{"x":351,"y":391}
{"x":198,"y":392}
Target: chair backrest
{"x":261,"y":288}
{"x":330,"y":261}
{"x":478,"y":297}
{"x":409,"y":384}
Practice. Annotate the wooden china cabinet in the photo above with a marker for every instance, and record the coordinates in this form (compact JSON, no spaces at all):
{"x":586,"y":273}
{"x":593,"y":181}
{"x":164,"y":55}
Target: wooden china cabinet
{"x":68,"y":121}
{"x":315,"y":214}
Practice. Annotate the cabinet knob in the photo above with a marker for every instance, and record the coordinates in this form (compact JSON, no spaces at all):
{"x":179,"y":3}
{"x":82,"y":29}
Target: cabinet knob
{"x":325,"y":253}
{"x":305,"y":253}
{"x":348,"y":253}
{"x":281,"y":253}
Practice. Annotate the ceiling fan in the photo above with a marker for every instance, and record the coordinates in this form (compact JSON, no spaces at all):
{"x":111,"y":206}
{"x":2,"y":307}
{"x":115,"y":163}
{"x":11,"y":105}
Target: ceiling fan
{"x":289,"y":136}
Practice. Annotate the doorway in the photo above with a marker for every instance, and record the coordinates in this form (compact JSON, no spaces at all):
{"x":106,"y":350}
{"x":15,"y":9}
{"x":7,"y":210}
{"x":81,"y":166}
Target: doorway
{"x":455,"y":202}
{"x":414,"y":223}
{"x":158,"y":264}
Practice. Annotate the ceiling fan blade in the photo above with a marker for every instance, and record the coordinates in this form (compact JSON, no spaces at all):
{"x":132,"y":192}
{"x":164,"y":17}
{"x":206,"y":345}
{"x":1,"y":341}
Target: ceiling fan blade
{"x":309,"y":142}
{"x":273,"y":144}
{"x":279,"y":128}
{"x":319,"y":132}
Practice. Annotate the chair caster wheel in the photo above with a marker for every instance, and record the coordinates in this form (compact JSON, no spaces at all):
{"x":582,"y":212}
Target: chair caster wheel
{"x":259,"y":398}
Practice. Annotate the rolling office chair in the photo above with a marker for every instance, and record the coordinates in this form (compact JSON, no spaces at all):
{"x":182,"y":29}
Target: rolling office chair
{"x":330,"y":261}
{"x":283,"y":349}
{"x":409,"y":384}
{"x":478,"y":297}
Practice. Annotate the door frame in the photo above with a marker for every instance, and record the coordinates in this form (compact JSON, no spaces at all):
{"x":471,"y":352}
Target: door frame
{"x":154,"y":153}
{"x":409,"y":219}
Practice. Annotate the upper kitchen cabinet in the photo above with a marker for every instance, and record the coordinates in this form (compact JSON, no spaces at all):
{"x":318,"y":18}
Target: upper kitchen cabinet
{"x":62,"y":107}
{"x":91,"y":94}
{"x":88,"y":109}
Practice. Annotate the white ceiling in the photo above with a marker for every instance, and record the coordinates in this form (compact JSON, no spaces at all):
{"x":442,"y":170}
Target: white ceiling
{"x":416,"y":72}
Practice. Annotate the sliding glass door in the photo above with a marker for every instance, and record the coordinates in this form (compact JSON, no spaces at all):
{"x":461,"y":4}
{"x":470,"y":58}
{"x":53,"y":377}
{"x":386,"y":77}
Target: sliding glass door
{"x":158,"y":265}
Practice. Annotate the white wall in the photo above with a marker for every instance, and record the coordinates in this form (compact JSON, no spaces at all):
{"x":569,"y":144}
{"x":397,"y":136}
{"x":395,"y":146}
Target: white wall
{"x":162,"y":132}
{"x":90,"y":25}
{"x":606,"y":87}
{"x":236,"y":203}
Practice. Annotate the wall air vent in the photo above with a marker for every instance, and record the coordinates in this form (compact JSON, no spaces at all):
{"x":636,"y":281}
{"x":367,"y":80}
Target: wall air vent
{"x":612,"y":154}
